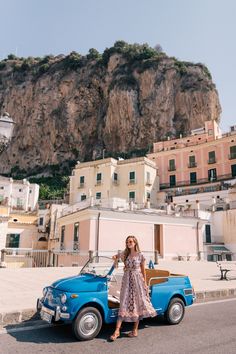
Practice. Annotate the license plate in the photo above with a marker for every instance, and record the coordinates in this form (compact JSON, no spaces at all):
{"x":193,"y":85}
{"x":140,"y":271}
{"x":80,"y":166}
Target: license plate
{"x":46,"y":316}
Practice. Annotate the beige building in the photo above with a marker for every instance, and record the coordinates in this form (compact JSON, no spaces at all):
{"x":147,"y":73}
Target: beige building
{"x":133,"y":180}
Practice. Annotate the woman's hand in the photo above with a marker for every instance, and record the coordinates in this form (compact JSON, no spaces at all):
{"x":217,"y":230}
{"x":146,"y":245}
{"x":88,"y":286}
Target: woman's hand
{"x":115,"y":258}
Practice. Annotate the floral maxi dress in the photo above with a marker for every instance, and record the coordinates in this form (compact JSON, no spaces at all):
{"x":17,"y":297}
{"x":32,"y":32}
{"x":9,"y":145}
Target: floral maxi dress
{"x":135,"y":303}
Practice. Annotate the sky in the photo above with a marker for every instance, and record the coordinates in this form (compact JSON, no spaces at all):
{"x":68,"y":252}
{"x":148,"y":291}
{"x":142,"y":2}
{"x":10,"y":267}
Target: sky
{"x":191,"y":30}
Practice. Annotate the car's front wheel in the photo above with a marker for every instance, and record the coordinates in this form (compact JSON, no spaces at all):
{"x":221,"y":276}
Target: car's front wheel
{"x":175,"y":311}
{"x":87,"y":323}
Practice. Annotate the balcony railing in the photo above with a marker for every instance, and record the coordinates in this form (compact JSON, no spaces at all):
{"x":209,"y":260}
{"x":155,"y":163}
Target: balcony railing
{"x":62,"y":246}
{"x":232,"y":156}
{"x":132,"y":181}
{"x":192,"y":164}
{"x":81,"y":185}
{"x":98,"y":182}
{"x":115,"y":182}
{"x":219,"y":178}
{"x":172,"y":168}
{"x":76,"y":245}
{"x":211,"y":161}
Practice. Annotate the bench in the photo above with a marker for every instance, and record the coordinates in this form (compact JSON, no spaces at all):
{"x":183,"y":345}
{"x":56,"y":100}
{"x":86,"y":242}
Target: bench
{"x":225,"y":268}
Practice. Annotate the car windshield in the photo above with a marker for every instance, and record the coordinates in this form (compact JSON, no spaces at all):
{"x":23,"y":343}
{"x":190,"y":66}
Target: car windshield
{"x":99,"y":266}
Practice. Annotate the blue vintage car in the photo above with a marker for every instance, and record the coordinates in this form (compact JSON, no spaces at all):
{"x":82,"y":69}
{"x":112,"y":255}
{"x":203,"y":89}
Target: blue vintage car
{"x":91,"y":298}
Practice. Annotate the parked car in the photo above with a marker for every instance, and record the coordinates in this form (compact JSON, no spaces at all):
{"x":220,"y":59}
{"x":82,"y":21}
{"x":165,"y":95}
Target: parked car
{"x":91,"y":298}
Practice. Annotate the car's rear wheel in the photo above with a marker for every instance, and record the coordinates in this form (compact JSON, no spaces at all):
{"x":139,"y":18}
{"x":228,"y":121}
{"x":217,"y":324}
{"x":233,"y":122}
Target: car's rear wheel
{"x":175,"y":311}
{"x":87,"y":323}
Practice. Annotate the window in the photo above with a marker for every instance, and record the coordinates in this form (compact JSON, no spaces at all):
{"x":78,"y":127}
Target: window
{"x":212,"y":175}
{"x":132,"y":196}
{"x":233,"y":171}
{"x":148,"y":196}
{"x":19,"y":202}
{"x":30,"y":191}
{"x":81,"y":181}
{"x":172,"y":181}
{"x":208,"y":233}
{"x":98,"y":195}
{"x":83,"y":197}
{"x":76,"y":232}
{"x":172,"y":165}
{"x":232,"y":152}
{"x":1,"y":187}
{"x":63,"y":234}
{"x":99,"y":178}
{"x":115,"y":178}
{"x":210,"y":131}
{"x":148,"y":178}
{"x":13,"y":240}
{"x":132,"y":177}
{"x":211,"y":157}
{"x":193,"y":177}
{"x":192,"y":162}
{"x":40,"y":221}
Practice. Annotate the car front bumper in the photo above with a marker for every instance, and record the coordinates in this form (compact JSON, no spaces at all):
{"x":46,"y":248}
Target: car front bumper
{"x":48,"y":314}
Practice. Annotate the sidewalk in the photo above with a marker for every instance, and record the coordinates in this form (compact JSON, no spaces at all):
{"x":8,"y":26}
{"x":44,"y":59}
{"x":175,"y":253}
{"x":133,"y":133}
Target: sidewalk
{"x":20,"y":288}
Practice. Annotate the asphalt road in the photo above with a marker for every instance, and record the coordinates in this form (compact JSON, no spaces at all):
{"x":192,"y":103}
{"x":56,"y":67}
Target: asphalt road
{"x":207,"y":328}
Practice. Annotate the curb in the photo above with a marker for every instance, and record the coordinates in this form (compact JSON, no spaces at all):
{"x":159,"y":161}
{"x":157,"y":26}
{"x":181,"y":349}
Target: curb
{"x":202,"y":296}
{"x":17,"y":317}
{"x":28,"y":315}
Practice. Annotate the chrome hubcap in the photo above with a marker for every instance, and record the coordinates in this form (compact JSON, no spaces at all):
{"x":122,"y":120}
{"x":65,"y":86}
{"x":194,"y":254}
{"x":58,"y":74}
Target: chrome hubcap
{"x":88,"y":324}
{"x":176,"y":312}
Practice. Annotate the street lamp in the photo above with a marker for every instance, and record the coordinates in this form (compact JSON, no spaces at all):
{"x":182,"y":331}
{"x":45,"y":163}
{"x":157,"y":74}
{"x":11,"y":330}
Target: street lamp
{"x":6,"y":130}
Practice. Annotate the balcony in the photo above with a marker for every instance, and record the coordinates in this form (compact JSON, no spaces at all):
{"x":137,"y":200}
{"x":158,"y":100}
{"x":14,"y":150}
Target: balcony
{"x":220,"y":178}
{"x":98,"y":182}
{"x":81,"y":185}
{"x":132,"y":181}
{"x":76,"y":245}
{"x":192,"y":164}
{"x":211,"y":161}
{"x":115,"y":182}
{"x":171,"y":168}
{"x":232,"y":156}
{"x":62,"y":246}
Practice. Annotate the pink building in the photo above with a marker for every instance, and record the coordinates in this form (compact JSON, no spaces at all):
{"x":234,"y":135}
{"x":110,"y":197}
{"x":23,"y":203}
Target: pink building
{"x":201,"y":162}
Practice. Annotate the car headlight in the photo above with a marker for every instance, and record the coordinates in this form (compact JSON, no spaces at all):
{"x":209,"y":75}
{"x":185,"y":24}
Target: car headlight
{"x":63,"y":298}
{"x":45,"y":291}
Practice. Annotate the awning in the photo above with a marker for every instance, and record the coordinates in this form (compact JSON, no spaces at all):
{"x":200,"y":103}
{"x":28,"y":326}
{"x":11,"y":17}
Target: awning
{"x":220,"y":249}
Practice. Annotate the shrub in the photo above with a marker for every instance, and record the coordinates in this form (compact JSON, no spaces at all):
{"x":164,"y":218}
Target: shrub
{"x":2,"y":65}
{"x":93,"y":54}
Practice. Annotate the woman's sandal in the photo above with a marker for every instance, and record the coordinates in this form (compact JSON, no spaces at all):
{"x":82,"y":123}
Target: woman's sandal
{"x":133,"y":334}
{"x":115,"y":335}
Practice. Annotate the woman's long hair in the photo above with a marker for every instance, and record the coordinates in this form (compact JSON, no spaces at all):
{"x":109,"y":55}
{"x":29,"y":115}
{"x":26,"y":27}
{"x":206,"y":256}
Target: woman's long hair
{"x":127,"y":250}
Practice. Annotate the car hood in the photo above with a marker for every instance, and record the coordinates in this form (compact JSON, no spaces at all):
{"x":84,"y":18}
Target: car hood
{"x":81,"y":283}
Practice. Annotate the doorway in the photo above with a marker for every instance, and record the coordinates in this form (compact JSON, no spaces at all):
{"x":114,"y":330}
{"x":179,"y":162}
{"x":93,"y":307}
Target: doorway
{"x":158,"y":242}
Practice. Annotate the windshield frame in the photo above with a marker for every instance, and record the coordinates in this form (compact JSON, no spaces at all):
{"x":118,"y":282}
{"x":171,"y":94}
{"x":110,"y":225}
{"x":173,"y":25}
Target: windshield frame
{"x":109,"y":272}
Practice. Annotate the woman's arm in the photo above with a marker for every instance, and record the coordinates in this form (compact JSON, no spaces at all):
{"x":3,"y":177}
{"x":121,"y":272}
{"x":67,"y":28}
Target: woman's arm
{"x":143,"y":266}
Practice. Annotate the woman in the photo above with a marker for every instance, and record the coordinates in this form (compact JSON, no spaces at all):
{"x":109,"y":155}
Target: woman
{"x":134,"y":298}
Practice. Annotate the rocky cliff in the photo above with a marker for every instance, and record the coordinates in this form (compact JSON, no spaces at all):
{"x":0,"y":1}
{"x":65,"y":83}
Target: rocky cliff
{"x":76,"y":107}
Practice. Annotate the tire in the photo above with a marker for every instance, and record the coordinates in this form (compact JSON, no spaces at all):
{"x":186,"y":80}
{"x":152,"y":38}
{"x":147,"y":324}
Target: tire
{"x":87,"y":323}
{"x":175,"y":311}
